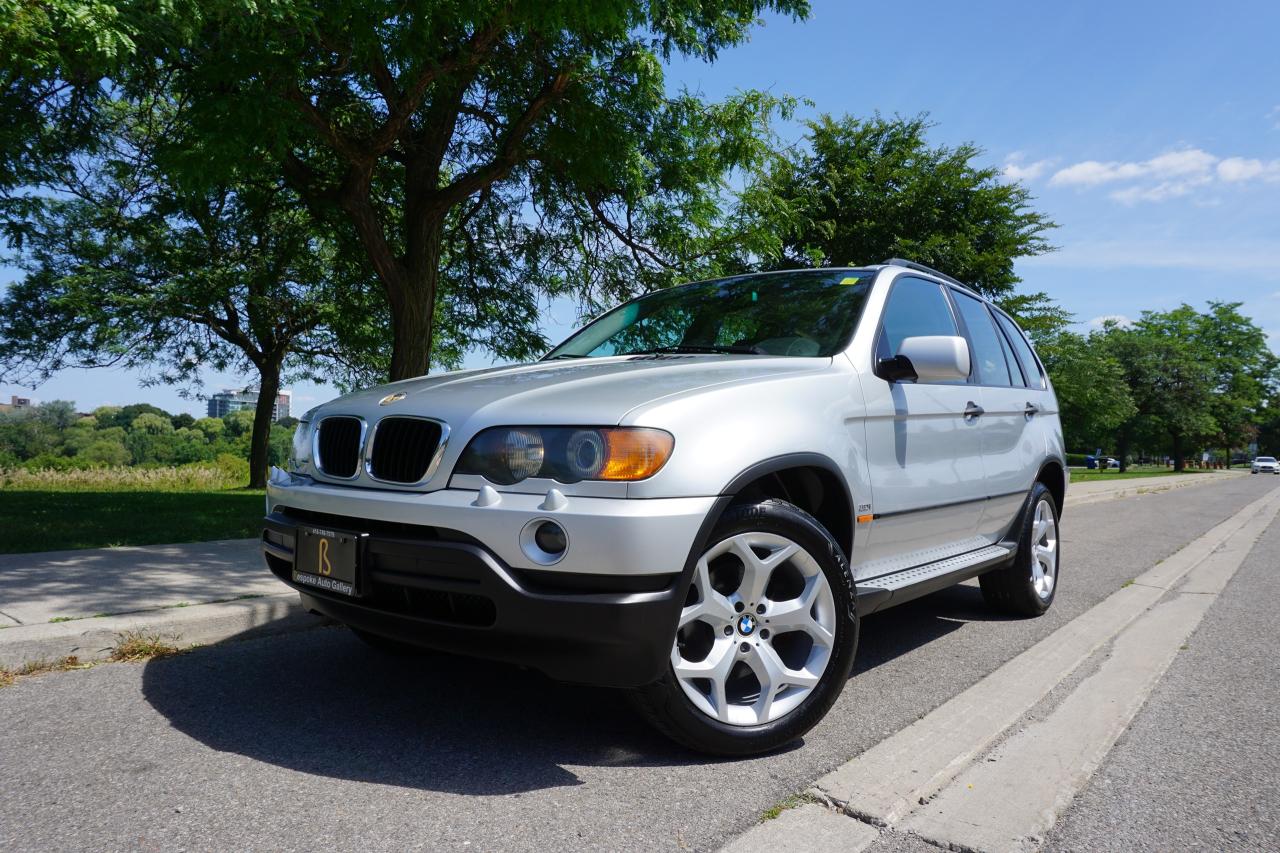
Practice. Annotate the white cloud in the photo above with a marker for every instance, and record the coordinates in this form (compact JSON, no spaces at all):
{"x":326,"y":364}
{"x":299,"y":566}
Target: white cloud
{"x":1090,"y":173}
{"x":1187,"y":164}
{"x":1238,"y":169}
{"x":1274,"y":116}
{"x":1260,"y":259}
{"x":1170,"y":175}
{"x":1115,"y":319}
{"x":1016,"y":170}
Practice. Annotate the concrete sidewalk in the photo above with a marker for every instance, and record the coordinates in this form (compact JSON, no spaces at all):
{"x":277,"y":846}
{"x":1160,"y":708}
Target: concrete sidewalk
{"x":77,"y":602}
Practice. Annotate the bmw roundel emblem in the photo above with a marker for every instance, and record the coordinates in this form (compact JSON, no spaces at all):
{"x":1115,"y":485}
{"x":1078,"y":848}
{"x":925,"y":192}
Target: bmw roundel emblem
{"x":746,"y":624}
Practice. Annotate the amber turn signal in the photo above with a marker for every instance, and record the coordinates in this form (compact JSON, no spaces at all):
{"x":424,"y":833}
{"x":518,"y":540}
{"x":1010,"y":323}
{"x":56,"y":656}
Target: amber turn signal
{"x":634,"y":453}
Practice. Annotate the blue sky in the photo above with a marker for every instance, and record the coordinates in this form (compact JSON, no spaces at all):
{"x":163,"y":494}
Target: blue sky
{"x":1149,"y":131}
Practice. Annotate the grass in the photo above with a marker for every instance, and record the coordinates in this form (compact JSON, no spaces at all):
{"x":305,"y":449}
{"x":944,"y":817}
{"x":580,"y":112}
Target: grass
{"x":9,"y":676}
{"x":131,"y":646}
{"x":52,"y":520}
{"x":141,"y":645}
{"x":791,"y":802}
{"x":1134,"y":472}
{"x":174,"y":478}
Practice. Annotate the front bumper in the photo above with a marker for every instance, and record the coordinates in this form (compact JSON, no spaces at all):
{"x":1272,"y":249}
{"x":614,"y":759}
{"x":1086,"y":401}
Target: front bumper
{"x":607,"y":536}
{"x":441,"y":588}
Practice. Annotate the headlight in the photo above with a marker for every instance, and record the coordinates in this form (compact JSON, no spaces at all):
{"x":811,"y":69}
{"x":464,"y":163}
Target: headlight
{"x":507,"y":455}
{"x":300,"y":453}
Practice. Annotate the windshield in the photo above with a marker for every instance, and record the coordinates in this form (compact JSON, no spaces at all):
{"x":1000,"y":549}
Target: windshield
{"x":800,"y":313}
{"x":1266,"y":459}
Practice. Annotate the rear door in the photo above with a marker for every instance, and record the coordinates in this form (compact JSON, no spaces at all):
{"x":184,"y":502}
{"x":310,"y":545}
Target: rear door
{"x":1012,"y":447}
{"x":924,"y":455}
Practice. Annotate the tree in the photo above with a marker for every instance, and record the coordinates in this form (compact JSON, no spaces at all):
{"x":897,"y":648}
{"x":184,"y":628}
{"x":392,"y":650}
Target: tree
{"x":1170,"y":381}
{"x":1243,"y":367}
{"x":124,"y":266}
{"x":1093,"y":396}
{"x":460,"y":145}
{"x":859,"y":191}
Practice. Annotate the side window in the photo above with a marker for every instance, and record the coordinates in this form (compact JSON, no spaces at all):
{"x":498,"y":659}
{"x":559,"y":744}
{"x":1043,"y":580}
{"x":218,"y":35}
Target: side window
{"x":1035,"y":378}
{"x":1015,"y":370}
{"x":916,"y":307}
{"x":989,"y":366}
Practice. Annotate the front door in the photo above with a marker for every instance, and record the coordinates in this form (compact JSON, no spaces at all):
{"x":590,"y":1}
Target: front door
{"x":924,"y":446}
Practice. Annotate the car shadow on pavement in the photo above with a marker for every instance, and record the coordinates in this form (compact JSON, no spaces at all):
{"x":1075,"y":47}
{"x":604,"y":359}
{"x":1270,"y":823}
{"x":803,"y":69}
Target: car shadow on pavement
{"x":322,"y":702}
{"x":892,"y":633}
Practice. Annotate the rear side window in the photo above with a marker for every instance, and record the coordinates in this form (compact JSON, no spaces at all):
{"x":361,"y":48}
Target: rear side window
{"x":1027,"y":358}
{"x":916,"y":308}
{"x":989,"y":365}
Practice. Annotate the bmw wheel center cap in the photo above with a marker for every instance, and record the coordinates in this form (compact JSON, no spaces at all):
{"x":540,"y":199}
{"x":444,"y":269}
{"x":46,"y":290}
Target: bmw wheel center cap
{"x":746,"y":624}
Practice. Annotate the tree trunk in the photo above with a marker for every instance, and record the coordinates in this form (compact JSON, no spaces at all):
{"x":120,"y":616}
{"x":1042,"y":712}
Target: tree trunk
{"x":1122,"y":450}
{"x":1178,"y":463}
{"x":413,"y":306}
{"x":260,"y":439}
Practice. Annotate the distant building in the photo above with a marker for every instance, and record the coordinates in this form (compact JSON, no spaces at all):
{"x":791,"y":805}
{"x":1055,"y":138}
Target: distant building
{"x":15,"y":403}
{"x":230,"y":400}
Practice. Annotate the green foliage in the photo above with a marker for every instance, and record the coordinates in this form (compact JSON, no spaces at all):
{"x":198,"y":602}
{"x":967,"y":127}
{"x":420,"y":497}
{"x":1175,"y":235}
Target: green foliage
{"x":1090,"y":383}
{"x":31,"y":439}
{"x":475,"y":156}
{"x":862,"y":190}
{"x":1174,"y":382}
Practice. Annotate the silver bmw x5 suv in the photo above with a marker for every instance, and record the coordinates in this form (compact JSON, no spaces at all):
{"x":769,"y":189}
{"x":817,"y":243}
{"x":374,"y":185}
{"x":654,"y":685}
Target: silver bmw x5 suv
{"x":696,"y":497}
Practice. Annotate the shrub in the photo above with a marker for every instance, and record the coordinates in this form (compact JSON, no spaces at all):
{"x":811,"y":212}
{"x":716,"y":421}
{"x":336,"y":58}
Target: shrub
{"x":234,"y":468}
{"x":201,"y":477}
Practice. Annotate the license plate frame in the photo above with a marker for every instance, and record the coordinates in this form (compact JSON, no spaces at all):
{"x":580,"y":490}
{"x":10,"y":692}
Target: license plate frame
{"x":328,"y":559}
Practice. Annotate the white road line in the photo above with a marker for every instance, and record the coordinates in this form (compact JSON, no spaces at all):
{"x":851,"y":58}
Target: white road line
{"x":885,"y":783}
{"x":1009,"y":801}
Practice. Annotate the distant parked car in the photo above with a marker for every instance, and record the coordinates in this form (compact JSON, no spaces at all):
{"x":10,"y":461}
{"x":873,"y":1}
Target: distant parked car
{"x":1265,"y":465}
{"x":1108,"y":462}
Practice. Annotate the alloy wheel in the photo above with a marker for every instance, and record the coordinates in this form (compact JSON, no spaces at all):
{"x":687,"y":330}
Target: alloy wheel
{"x":1044,"y":550}
{"x":757,"y":631}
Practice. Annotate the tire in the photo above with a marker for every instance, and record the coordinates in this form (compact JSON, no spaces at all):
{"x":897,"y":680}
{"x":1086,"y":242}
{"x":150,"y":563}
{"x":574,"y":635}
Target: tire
{"x":796,"y":573}
{"x":387,"y":646}
{"x":1027,"y":586}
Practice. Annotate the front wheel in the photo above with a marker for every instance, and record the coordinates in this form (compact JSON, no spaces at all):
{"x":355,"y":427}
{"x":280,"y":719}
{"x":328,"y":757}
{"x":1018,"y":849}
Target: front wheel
{"x":765,"y":640}
{"x":1026,"y":587}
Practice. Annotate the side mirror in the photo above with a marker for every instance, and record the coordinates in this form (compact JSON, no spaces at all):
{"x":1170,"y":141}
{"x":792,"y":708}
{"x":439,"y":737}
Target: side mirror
{"x":931,"y":358}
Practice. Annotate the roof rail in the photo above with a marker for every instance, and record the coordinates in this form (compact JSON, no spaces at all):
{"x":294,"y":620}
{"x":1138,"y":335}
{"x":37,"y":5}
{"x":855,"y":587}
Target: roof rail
{"x":912,"y":265}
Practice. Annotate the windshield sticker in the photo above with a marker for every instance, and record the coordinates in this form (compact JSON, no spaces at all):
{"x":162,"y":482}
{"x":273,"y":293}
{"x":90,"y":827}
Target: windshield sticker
{"x":853,"y":279}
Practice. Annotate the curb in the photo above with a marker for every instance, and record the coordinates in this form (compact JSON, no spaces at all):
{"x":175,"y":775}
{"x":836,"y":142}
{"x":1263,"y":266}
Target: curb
{"x":92,"y":639}
{"x":1139,"y":486}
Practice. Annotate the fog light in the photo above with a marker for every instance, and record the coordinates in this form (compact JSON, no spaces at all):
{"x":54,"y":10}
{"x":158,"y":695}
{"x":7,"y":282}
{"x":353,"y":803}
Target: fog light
{"x":550,"y":538}
{"x":544,"y":541}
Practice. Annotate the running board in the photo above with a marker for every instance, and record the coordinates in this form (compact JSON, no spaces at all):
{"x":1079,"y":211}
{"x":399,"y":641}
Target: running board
{"x":888,"y":590}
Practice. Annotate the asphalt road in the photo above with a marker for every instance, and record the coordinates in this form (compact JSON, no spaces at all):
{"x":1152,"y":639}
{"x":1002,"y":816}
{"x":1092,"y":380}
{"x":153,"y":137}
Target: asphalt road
{"x":1199,"y":767}
{"x":310,"y":740}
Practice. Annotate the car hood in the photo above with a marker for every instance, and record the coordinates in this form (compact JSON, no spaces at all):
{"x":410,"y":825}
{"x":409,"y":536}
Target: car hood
{"x":596,"y":391}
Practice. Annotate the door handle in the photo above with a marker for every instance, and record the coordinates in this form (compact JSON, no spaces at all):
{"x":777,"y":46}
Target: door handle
{"x":1032,"y":409}
{"x":973,"y":410}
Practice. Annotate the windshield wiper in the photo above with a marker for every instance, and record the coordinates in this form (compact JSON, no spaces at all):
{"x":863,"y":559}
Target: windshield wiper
{"x":565,"y":355}
{"x":701,"y":348}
